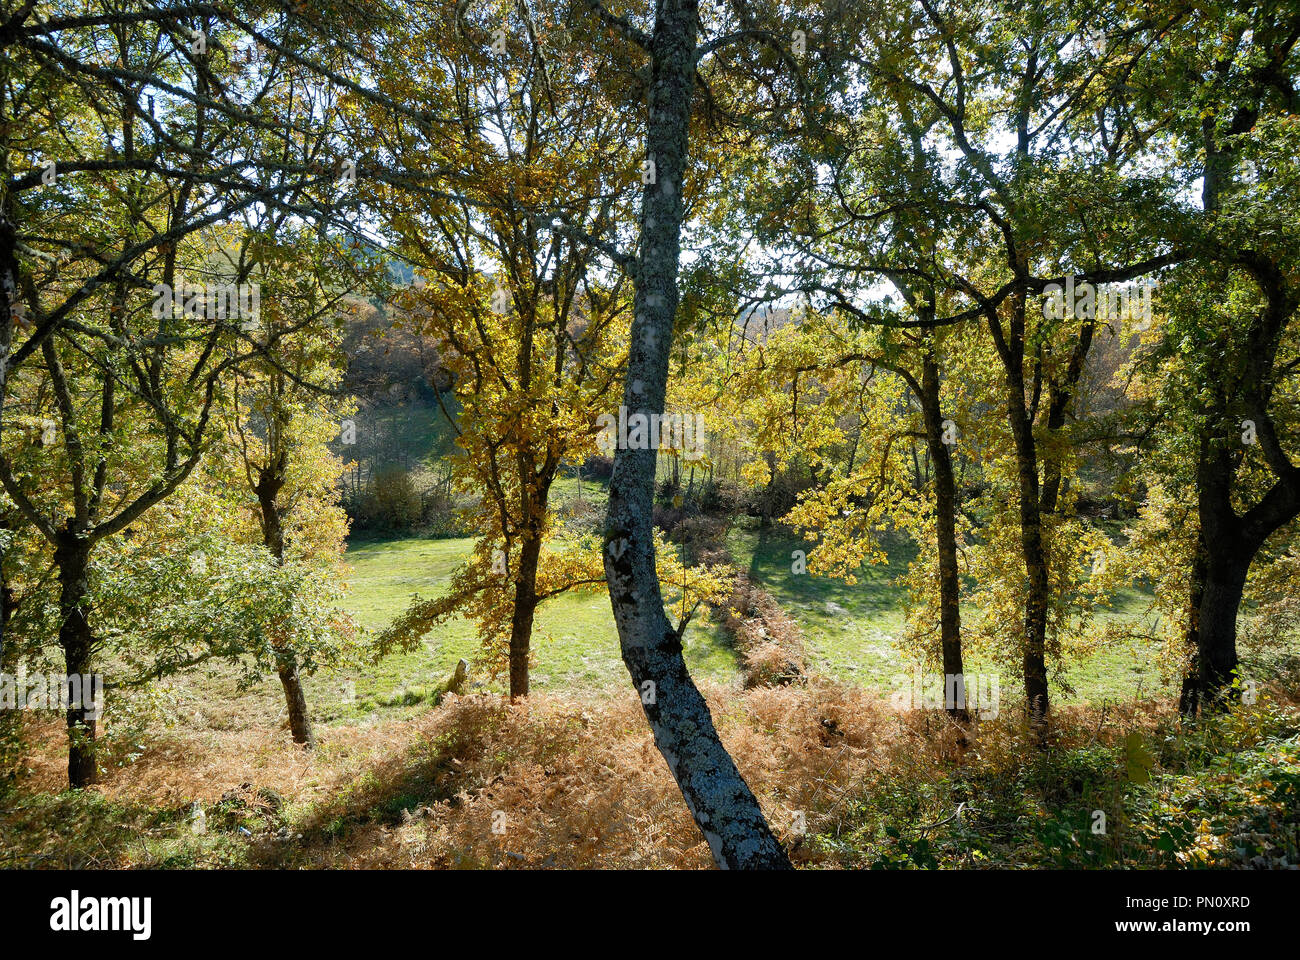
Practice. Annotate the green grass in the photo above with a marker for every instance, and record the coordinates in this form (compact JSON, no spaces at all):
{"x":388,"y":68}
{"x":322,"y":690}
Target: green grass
{"x":575,"y":644}
{"x":567,"y":490}
{"x":417,"y":431}
{"x":859,"y":646}
{"x":851,"y":630}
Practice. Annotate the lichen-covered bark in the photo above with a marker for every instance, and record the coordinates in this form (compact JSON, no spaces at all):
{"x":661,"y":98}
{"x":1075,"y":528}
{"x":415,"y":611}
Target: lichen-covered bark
{"x":721,"y":802}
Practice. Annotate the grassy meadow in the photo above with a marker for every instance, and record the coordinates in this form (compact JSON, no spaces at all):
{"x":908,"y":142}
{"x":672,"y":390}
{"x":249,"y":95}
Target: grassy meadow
{"x":850,"y":629}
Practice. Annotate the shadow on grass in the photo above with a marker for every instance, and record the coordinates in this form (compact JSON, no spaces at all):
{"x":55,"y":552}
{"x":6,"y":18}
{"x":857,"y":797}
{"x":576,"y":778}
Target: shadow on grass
{"x":431,"y":770}
{"x":84,"y":830}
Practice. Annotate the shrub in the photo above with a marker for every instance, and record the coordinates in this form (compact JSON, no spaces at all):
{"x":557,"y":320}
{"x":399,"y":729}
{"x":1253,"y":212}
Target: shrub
{"x":777,"y":498}
{"x":598,"y":468}
{"x":392,"y":503}
{"x":438,"y":515}
{"x":719,"y":497}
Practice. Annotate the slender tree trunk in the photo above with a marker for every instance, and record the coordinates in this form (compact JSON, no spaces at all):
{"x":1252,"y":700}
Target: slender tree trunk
{"x":295,"y":700}
{"x":769,"y":494}
{"x":720,"y":801}
{"x":10,"y":723}
{"x":8,"y":300}
{"x":1034,"y":553}
{"x":521,"y":617}
{"x":945,"y":504}
{"x":270,"y":482}
{"x":1189,"y":699}
{"x":6,"y":600}
{"x":72,"y":560}
{"x":1037,"y":501}
{"x":1020,"y":417}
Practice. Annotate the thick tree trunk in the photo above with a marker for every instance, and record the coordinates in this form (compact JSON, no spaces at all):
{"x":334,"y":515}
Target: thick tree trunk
{"x":1231,"y":542}
{"x":945,"y":505}
{"x":521,"y":617}
{"x":1216,"y":637}
{"x":1230,"y":545}
{"x":270,"y":482}
{"x":720,"y":801}
{"x":72,"y":560}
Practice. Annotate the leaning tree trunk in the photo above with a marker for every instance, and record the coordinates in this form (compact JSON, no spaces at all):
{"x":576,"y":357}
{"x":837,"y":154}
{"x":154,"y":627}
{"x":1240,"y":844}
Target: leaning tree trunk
{"x":945,"y":505}
{"x":269,"y":484}
{"x":72,"y":560}
{"x":720,"y":801}
{"x":295,"y":700}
